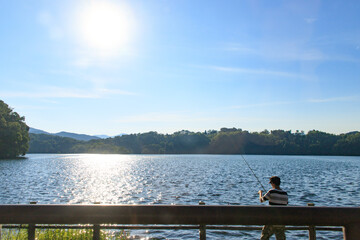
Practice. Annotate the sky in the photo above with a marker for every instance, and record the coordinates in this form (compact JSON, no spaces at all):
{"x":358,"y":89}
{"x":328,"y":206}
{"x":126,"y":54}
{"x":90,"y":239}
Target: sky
{"x":111,"y":67}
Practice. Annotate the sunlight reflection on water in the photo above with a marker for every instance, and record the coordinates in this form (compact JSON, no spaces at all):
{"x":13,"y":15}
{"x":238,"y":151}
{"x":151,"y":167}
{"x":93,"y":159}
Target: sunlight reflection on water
{"x":179,"y":179}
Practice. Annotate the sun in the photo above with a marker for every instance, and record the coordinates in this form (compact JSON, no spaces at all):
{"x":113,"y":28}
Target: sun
{"x":105,"y":26}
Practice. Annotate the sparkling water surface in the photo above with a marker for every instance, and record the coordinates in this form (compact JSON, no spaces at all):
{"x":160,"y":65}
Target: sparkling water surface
{"x":180,"y":179}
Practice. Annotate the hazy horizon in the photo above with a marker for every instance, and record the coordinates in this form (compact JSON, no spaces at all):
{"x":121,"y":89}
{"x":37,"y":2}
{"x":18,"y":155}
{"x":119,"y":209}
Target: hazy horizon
{"x":127,"y":133}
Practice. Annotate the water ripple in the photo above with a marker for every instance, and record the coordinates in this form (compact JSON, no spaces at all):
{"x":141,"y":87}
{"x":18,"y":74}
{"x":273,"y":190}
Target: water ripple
{"x":179,"y":179}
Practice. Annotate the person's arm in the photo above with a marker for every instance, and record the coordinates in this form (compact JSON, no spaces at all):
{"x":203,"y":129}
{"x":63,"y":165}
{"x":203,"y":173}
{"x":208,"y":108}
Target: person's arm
{"x":261,"y":196}
{"x":264,"y":197}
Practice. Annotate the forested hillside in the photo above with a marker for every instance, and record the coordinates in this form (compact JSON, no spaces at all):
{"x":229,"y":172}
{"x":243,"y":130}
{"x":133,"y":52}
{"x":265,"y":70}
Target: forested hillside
{"x":225,"y":141}
{"x":14,"y":136}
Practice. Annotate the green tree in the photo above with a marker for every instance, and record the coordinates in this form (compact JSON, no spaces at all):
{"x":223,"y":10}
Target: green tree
{"x":186,"y":142}
{"x":229,"y":141}
{"x":14,"y":133}
{"x":44,"y":143}
{"x":225,"y":141}
{"x":320,"y":143}
{"x":349,"y":144}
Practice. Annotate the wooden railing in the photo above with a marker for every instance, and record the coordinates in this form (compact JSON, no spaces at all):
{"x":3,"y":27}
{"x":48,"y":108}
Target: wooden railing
{"x":202,"y":216}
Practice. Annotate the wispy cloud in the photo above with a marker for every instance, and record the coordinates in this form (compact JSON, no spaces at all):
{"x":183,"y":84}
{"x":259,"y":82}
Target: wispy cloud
{"x":56,"y":92}
{"x":46,"y":19}
{"x":288,"y":51}
{"x":30,"y":107}
{"x":106,"y":91}
{"x":168,"y":118}
{"x":194,"y":121}
{"x":312,"y":100}
{"x":310,"y":20}
{"x":260,"y":72}
{"x":279,"y":51}
{"x":86,"y":58}
{"x":335,"y":99}
{"x":241,"y":49}
{"x":264,"y":104}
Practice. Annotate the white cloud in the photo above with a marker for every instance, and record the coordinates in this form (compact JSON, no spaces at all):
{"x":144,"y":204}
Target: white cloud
{"x":310,"y":20}
{"x":163,"y":118}
{"x":241,"y":49}
{"x":168,"y":122}
{"x":265,"y":104}
{"x":57,"y":92}
{"x":335,"y":99}
{"x":49,"y":94}
{"x":84,"y":58}
{"x":280,"y":51}
{"x":105,"y":91}
{"x":288,"y":51}
{"x":313,"y":100}
{"x":261,"y":72}
{"x":47,"y":20}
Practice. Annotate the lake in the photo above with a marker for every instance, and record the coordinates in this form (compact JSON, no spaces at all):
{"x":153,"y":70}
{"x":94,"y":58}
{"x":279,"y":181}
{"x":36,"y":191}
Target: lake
{"x":180,"y":179}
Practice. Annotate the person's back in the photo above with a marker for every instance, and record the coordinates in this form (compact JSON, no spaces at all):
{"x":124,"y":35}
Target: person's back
{"x":275,"y":196}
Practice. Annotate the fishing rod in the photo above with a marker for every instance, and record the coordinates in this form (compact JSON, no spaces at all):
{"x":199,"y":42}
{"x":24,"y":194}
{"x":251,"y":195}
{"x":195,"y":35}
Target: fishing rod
{"x":253,"y":172}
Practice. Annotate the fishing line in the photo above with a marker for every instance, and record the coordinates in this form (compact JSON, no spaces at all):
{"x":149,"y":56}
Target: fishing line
{"x":253,"y":172}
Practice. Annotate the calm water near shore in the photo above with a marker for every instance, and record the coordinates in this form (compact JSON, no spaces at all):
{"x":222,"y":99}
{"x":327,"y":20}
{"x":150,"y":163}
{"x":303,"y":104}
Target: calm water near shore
{"x":180,"y":179}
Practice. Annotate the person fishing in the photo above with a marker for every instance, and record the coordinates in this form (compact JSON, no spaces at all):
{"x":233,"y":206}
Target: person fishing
{"x":275,"y":196}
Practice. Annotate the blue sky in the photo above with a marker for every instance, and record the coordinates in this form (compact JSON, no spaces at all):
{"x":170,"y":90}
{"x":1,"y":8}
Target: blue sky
{"x":110,"y":67}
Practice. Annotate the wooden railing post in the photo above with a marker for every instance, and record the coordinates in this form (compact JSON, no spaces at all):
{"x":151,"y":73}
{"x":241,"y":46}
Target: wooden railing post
{"x":96,"y":229}
{"x":351,"y":231}
{"x":202,"y":228}
{"x":31,"y":229}
{"x":312,"y":230}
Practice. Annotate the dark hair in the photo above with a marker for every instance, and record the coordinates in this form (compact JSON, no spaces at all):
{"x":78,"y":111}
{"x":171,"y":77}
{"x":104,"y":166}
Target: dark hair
{"x":275,"y":180}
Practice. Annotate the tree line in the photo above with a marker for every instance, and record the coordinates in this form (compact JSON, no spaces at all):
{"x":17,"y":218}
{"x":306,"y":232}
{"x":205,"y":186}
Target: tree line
{"x":14,"y":141}
{"x":225,"y":141}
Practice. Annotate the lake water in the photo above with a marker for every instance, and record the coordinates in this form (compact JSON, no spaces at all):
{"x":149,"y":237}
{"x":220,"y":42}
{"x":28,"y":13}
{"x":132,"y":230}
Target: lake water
{"x":180,"y":179}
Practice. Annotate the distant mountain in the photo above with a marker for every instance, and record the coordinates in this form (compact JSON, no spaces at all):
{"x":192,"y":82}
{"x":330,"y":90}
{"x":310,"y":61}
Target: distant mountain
{"x":81,"y":137}
{"x":121,"y":134}
{"x":102,"y":136}
{"x":107,"y":136}
{"x":38,"y":131}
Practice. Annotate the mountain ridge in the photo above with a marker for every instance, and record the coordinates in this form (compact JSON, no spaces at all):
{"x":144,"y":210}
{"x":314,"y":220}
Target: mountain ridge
{"x":81,"y":137}
{"x":76,"y":136}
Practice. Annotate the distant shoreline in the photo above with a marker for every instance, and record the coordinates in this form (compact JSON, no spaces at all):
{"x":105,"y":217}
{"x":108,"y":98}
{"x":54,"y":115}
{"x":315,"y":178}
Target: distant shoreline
{"x":225,"y":141}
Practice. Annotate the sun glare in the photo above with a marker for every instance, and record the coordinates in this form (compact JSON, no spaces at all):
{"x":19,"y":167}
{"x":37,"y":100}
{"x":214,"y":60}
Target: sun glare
{"x":104,"y":26}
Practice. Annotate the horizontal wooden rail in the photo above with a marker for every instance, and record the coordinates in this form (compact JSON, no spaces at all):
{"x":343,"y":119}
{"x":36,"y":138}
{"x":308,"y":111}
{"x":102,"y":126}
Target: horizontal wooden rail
{"x":164,"y":227}
{"x":348,"y":217}
{"x":179,"y":214}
